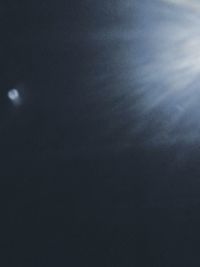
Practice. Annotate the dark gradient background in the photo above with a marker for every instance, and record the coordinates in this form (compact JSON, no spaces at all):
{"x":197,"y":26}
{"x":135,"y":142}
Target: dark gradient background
{"x":78,"y":188}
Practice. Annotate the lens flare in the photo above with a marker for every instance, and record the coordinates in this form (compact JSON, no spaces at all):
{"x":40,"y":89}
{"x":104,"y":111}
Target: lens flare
{"x":14,"y":96}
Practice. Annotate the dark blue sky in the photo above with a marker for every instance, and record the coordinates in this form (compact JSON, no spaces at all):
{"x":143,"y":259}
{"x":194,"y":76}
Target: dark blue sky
{"x":78,"y":188}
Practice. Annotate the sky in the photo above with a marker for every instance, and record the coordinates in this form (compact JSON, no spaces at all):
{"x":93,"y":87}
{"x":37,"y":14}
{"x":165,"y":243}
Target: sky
{"x":99,"y":133}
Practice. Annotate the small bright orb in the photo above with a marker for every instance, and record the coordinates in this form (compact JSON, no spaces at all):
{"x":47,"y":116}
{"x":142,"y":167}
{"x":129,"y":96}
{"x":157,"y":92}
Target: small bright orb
{"x":14,"y":96}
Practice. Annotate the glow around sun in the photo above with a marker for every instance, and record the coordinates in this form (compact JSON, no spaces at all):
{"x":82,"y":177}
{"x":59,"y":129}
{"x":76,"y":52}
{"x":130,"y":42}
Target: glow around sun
{"x":167,"y":67}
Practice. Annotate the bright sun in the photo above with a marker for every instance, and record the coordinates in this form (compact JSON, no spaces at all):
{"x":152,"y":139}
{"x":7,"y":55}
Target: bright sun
{"x":168,"y":68}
